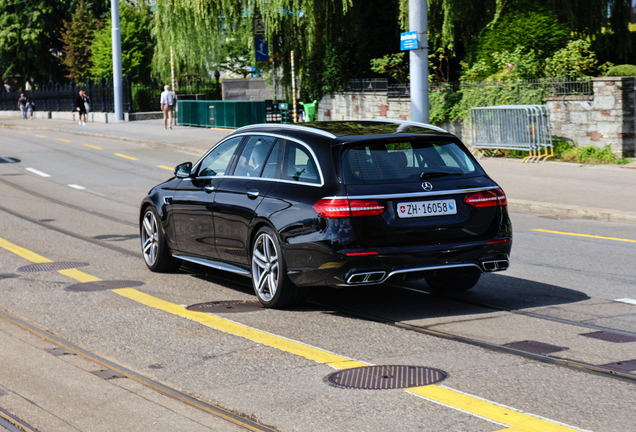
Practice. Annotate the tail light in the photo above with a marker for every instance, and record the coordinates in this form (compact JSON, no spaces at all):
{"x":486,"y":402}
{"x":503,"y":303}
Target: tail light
{"x":339,"y":208}
{"x":487,"y":198}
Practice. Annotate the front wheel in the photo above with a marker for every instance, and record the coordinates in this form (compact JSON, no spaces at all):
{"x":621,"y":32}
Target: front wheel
{"x":153,"y":244}
{"x":269,"y":273}
{"x":451,"y":280}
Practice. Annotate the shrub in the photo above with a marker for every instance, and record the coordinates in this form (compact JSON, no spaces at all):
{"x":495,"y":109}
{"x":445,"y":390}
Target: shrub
{"x":592,"y":155}
{"x":622,"y":70}
{"x":441,"y":103}
{"x":575,"y":59}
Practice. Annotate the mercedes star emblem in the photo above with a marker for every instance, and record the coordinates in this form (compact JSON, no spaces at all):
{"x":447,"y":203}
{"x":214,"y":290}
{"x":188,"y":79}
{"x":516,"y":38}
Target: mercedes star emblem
{"x":427,"y":186}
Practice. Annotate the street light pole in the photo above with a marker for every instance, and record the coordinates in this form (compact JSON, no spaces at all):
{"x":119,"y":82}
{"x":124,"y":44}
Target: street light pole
{"x":418,"y":61}
{"x":117,"y":76}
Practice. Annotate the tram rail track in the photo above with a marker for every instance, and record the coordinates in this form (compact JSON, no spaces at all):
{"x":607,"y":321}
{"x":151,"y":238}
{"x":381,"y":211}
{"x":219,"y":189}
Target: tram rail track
{"x":204,"y":273}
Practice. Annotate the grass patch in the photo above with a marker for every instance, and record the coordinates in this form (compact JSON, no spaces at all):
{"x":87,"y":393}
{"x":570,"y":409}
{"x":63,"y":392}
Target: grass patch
{"x":565,"y":151}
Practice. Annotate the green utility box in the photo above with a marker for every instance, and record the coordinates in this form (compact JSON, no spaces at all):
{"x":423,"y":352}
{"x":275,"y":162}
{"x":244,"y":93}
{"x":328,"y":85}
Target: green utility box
{"x":220,"y":114}
{"x":310,"y":110}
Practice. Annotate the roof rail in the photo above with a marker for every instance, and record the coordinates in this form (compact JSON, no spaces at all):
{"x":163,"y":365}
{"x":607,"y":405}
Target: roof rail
{"x":409,"y":123}
{"x":288,"y":126}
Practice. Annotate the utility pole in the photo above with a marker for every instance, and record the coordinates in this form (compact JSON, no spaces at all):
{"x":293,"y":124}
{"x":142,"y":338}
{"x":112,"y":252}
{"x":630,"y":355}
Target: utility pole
{"x":418,"y":61}
{"x":117,"y":79}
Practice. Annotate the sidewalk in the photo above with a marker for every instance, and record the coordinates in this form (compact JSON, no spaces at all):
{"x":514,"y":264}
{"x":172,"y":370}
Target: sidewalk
{"x":600,"y":192}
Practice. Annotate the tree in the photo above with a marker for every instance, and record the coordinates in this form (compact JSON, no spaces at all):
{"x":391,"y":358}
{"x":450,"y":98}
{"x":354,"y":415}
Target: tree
{"x":77,"y":36}
{"x":136,"y":43}
{"x":29,"y":43}
{"x":237,"y":48}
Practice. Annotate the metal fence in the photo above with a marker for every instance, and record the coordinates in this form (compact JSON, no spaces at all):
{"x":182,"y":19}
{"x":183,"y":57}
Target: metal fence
{"x":548,"y":87}
{"x":512,"y":127}
{"x":57,"y":97}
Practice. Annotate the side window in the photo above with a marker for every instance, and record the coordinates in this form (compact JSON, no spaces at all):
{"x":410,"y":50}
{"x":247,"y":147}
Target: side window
{"x":272,"y":161}
{"x":218,"y":160}
{"x":299,"y":165}
{"x":252,"y":159}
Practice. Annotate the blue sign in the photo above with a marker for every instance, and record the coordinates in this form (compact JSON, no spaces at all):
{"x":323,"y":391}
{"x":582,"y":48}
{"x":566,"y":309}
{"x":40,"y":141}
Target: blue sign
{"x":408,"y":41}
{"x":262,"y":51}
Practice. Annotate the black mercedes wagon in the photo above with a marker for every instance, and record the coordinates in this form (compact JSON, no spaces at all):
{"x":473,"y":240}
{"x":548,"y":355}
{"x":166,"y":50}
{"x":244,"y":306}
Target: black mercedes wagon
{"x":336,"y":204}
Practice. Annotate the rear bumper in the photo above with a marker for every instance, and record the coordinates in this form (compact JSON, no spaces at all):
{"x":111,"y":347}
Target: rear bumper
{"x":340,"y":270}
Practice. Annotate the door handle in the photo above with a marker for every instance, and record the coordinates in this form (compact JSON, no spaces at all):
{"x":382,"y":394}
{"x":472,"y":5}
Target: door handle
{"x":209,"y":188}
{"x":253,"y":193}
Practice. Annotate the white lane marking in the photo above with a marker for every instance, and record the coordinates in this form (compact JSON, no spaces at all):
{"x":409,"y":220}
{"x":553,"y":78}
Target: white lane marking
{"x":74,"y":186}
{"x":40,"y":173}
{"x":627,"y":300}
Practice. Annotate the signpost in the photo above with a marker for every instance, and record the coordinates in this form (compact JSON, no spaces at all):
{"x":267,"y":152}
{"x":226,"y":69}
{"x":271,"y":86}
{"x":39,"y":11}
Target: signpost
{"x":418,"y":59}
{"x":262,"y":52}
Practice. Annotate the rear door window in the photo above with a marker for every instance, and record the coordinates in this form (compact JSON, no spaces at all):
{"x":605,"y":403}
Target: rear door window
{"x":253,"y":156}
{"x":407,"y":161}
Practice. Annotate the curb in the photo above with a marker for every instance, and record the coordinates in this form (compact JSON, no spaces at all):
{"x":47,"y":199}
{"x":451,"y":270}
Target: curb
{"x":155,"y":144}
{"x":573,"y":212}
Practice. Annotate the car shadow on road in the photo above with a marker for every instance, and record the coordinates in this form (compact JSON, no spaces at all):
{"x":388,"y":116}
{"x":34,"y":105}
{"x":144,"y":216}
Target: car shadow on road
{"x":410,"y":301}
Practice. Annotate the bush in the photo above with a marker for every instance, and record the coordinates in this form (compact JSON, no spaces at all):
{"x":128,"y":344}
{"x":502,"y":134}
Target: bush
{"x":575,"y":59}
{"x":622,"y":70}
{"x":441,"y":103}
{"x":592,"y":155}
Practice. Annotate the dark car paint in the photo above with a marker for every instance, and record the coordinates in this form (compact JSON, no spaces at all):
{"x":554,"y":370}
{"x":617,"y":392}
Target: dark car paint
{"x":313,"y":247}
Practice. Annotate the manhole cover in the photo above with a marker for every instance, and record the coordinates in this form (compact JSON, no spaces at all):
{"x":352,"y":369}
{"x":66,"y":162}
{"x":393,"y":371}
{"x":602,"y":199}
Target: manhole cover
{"x":610,"y":337}
{"x":534,"y":347}
{"x":52,"y":266}
{"x":103,"y":285}
{"x":386,"y":377}
{"x":231,"y":306}
{"x":624,"y":366}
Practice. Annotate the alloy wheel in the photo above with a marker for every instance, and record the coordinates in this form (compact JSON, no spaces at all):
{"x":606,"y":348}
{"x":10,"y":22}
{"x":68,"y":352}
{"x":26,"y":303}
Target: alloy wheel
{"x":265,"y":267}
{"x":150,"y":238}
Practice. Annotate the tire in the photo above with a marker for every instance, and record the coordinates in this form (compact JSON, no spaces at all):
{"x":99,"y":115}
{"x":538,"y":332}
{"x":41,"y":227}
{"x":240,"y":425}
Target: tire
{"x":269,"y":273}
{"x":154,"y":247}
{"x":452,"y":280}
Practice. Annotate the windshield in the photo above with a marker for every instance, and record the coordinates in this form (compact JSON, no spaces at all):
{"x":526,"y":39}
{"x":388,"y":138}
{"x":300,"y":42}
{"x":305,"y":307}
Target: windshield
{"x":381,"y":162}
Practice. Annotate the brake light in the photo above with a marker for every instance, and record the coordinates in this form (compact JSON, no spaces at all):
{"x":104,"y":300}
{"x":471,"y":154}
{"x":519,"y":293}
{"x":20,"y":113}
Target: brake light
{"x":487,"y":198}
{"x":339,"y":208}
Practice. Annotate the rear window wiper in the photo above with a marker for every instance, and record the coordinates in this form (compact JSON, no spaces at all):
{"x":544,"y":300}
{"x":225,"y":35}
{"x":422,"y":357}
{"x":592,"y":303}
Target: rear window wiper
{"x":431,"y":174}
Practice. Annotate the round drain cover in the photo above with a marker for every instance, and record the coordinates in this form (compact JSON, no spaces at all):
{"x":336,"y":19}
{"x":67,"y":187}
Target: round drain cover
{"x":386,"y":377}
{"x":52,"y":266}
{"x":102,"y":285}
{"x":231,"y":306}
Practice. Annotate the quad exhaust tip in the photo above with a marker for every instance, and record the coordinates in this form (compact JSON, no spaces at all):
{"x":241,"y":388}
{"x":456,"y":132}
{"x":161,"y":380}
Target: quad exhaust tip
{"x":367,"y":277}
{"x":497,"y":265}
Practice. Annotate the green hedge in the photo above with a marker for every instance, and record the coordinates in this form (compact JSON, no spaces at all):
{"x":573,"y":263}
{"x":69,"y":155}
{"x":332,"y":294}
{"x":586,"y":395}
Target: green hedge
{"x":622,"y":70}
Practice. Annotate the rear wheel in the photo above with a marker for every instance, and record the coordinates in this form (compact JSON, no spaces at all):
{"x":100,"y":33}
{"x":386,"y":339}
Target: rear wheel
{"x":269,"y":273}
{"x":452,"y":280}
{"x":153,"y":244}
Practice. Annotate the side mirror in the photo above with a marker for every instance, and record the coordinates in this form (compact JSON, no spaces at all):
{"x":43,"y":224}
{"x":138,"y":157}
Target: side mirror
{"x":184,"y":170}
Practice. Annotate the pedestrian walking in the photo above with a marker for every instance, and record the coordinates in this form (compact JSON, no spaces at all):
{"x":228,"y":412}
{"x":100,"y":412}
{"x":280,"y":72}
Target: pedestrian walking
{"x":30,"y":107}
{"x":81,"y":108}
{"x":22,"y":105}
{"x":87,"y":102}
{"x":167,"y":101}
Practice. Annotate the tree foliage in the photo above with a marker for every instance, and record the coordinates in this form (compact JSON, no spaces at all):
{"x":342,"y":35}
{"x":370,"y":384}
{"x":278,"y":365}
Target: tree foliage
{"x":136,"y":43}
{"x":29,"y":43}
{"x":77,"y":36}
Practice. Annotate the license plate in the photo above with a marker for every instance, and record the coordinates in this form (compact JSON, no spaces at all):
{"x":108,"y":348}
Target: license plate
{"x":426,"y":208}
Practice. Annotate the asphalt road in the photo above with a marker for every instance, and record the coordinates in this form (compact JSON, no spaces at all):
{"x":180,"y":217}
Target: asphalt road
{"x":75,"y":199}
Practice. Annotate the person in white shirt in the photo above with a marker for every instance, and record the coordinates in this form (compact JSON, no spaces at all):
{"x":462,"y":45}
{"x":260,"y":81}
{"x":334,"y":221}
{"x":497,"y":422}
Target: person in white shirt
{"x":167,"y":101}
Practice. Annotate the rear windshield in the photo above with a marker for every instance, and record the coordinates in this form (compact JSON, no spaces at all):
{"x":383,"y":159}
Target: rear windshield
{"x":405,"y":161}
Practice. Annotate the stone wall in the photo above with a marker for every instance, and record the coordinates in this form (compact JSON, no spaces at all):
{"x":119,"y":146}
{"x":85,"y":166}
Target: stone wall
{"x":246,"y":89}
{"x":607,"y":118}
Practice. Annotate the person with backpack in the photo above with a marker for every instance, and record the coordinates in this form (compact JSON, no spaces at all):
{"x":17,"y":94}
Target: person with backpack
{"x":81,"y":108}
{"x":22,"y":105}
{"x":167,"y":102}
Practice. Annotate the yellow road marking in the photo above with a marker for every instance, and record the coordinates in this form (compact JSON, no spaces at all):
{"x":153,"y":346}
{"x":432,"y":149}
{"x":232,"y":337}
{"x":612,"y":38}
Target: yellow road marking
{"x":22,"y":252}
{"x":231,"y":327}
{"x":39,"y":136}
{"x":93,"y":146}
{"x":62,"y":139}
{"x":23,"y":133}
{"x":165,"y":167}
{"x":124,"y":156}
{"x":518,"y":421}
{"x":585,"y":235}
